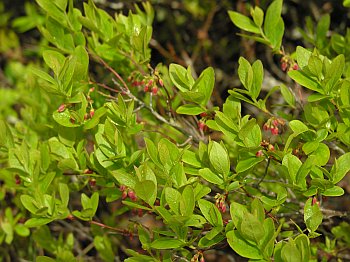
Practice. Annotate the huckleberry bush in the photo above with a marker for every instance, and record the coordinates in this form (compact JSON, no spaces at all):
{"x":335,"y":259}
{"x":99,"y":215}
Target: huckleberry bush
{"x":99,"y":127}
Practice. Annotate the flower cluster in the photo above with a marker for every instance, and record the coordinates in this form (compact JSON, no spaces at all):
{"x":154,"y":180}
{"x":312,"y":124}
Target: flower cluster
{"x":221,"y":202}
{"x":127,"y":192}
{"x":198,"y":257}
{"x":149,"y":83}
{"x":273,"y":125}
{"x":288,"y":64}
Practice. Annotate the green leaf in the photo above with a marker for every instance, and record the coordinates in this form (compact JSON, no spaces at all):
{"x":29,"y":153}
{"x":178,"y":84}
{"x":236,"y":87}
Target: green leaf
{"x":180,"y":77}
{"x":64,"y":118}
{"x":298,"y":127}
{"x":29,"y":203}
{"x":53,"y":11}
{"x":290,"y":252}
{"x":245,"y":73}
{"x":187,"y":201}
{"x":210,"y":176}
{"x":258,"y":16}
{"x":22,"y":230}
{"x":245,"y":164}
{"x":205,"y":84}
{"x":250,"y":134}
{"x":243,"y":22}
{"x":173,"y":198}
{"x":124,"y":178}
{"x":288,"y":95}
{"x":147,"y":191}
{"x":104,"y":247}
{"x":190,"y":109}
{"x":166,"y":243}
{"x":305,"y":80}
{"x":210,"y":212}
{"x":6,"y":138}
{"x":251,"y":228}
{"x":64,"y":193}
{"x":258,"y":72}
{"x":54,"y":60}
{"x":237,"y":212}
{"x":36,"y":222}
{"x":303,"y":56}
{"x":333,"y":192}
{"x":238,"y":243}
{"x":340,"y":168}
{"x":152,"y":151}
{"x":292,"y":163}
{"x":273,"y":24}
{"x":219,"y":158}
{"x":312,"y":215}
{"x":303,"y":244}
{"x":346,"y":3}
{"x":44,"y":259}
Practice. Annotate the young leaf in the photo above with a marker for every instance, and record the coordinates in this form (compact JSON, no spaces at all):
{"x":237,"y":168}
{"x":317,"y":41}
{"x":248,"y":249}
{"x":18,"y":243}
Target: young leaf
{"x":210,"y":212}
{"x":243,"y":22}
{"x":190,"y":109}
{"x":312,"y":215}
{"x":243,"y":248}
{"x":219,"y":158}
{"x":147,"y":191}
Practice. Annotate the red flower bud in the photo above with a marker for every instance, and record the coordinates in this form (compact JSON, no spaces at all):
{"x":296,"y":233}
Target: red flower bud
{"x":295,"y":66}
{"x":161,"y":82}
{"x":61,"y":108}
{"x":204,"y":114}
{"x":265,"y":127}
{"x":124,"y":195}
{"x":132,"y":195}
{"x":92,"y":113}
{"x":284,"y":66}
{"x":122,"y":187}
{"x":259,"y":153}
{"x":88,"y":171}
{"x":201,"y":125}
{"x":139,"y":212}
{"x":92,"y":182}
{"x":17,"y":180}
{"x":146,"y":89}
{"x":274,"y":131}
{"x":275,"y":122}
{"x":70,"y":217}
{"x":154,"y":90}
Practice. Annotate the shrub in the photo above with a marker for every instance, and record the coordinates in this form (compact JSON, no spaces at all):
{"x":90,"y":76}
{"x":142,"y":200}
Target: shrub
{"x":102,"y":141}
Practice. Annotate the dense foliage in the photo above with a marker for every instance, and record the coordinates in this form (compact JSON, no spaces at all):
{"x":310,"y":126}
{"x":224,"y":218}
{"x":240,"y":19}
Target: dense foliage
{"x":106,"y":154}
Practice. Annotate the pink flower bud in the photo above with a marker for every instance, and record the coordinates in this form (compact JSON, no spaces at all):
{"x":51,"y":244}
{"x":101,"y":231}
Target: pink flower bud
{"x":122,"y":187}
{"x":61,"y":108}
{"x":161,"y":82}
{"x":201,"y":125}
{"x":124,"y":195}
{"x":295,"y":66}
{"x":284,"y":66}
{"x":132,"y":195}
{"x":271,"y":147}
{"x":146,"y":89}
